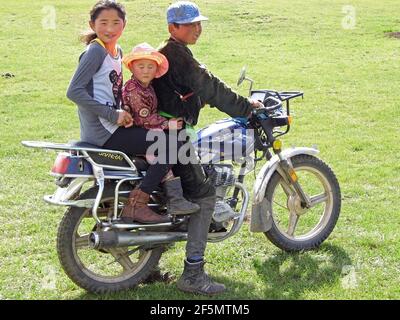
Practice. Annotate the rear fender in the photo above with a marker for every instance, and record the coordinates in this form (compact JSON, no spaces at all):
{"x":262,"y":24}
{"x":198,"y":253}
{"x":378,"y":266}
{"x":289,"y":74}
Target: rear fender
{"x":63,"y":196}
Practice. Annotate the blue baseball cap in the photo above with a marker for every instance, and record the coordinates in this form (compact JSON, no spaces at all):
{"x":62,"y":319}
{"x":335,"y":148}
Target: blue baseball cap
{"x":183,"y":12}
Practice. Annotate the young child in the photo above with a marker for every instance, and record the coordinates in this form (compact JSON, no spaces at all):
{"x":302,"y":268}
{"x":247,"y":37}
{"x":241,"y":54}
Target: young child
{"x":140,"y":100}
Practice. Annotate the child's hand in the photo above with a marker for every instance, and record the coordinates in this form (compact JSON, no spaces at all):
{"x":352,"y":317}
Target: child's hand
{"x":180,"y":123}
{"x":126,"y":108}
{"x":124,"y":119}
{"x":175,"y":123}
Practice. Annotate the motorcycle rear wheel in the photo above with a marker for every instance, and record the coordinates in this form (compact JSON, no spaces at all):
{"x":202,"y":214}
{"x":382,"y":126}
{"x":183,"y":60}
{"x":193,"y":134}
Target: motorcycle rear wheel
{"x":295,"y":228}
{"x":100,"y":271}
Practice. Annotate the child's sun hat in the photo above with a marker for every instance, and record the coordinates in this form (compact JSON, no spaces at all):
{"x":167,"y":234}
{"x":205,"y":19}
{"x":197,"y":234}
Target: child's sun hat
{"x":146,"y":51}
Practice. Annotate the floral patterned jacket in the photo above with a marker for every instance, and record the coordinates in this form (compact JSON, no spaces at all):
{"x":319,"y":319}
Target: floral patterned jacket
{"x":141,"y":103}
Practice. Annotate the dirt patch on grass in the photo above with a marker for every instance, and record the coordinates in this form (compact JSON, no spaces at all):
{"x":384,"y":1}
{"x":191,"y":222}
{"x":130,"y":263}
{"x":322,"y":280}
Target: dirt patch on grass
{"x":7,"y":75}
{"x":393,"y":35}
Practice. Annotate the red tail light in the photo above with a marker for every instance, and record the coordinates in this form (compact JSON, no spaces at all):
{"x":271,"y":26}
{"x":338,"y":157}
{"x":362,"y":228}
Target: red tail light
{"x":61,"y":164}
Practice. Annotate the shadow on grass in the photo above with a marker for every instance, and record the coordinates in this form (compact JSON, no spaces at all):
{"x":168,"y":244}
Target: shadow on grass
{"x":284,"y":276}
{"x":289,"y":275}
{"x":161,"y":291}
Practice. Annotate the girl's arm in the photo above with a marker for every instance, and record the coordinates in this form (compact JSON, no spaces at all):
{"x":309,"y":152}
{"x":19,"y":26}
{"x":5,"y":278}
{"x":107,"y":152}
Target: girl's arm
{"x":89,"y":64}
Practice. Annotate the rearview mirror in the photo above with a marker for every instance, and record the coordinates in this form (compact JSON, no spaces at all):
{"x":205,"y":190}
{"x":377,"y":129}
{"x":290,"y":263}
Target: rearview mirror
{"x":243,"y":77}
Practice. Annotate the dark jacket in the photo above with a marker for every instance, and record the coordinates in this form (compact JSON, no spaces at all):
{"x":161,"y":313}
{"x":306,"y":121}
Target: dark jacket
{"x":188,"y":86}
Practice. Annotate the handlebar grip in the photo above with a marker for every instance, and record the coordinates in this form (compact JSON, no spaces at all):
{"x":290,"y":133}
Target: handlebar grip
{"x":277,"y":105}
{"x":258,"y":111}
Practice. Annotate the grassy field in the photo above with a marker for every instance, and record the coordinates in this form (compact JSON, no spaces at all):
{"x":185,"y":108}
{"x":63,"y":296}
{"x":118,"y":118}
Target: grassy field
{"x":350,"y":75}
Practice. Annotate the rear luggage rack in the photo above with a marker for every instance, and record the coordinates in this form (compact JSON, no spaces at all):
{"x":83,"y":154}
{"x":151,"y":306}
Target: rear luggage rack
{"x":85,"y":152}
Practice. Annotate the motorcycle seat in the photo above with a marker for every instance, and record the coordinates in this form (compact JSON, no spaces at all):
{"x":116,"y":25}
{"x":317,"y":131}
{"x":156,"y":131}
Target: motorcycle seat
{"x":112,"y":159}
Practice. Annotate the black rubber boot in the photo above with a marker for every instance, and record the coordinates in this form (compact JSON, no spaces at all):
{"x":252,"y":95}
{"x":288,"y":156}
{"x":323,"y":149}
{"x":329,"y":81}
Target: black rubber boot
{"x":195,"y":280}
{"x":176,"y":203}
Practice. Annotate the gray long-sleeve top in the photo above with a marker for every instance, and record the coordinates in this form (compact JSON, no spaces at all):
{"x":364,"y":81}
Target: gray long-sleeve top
{"x":96,"y":88}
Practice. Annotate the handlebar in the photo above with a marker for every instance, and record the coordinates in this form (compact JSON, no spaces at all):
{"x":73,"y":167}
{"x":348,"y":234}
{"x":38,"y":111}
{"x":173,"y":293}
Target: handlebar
{"x":277,"y":104}
{"x":272,"y":115}
{"x":273,"y":100}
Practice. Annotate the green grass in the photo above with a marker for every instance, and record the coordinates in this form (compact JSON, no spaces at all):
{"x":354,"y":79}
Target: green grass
{"x":350,"y":111}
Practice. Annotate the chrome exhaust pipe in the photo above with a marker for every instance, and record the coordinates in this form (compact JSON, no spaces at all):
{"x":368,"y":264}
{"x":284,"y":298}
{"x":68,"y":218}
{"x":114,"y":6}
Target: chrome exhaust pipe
{"x":114,"y":238}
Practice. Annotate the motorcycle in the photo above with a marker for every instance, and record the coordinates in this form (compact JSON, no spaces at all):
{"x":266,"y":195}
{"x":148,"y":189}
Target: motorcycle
{"x":296,"y":196}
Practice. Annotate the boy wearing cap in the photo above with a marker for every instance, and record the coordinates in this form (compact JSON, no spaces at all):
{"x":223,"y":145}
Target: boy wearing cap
{"x":140,"y":100}
{"x":182,"y":92}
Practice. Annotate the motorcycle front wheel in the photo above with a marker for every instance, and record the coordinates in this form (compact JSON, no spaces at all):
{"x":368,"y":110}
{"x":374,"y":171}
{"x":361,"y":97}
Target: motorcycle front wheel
{"x":100,"y":271}
{"x":294,"y":227}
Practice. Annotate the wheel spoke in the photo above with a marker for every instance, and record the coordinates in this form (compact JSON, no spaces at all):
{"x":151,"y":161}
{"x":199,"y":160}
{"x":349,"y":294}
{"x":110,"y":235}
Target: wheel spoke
{"x":82,"y":242}
{"x":318,"y":199}
{"x":286,"y":188}
{"x":122,"y":258}
{"x":293,"y":219}
{"x":101,"y":213}
{"x":280,"y":205}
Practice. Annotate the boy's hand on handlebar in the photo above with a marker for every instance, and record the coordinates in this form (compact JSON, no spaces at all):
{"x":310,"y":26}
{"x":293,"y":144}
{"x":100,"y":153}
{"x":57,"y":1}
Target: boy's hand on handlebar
{"x":256,"y":104}
{"x":124,"y":119}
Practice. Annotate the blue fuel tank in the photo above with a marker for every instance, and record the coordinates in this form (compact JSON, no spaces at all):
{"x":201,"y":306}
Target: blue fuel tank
{"x":227,"y":139}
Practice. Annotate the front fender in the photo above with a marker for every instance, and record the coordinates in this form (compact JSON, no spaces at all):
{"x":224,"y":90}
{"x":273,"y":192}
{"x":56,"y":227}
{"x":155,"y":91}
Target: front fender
{"x":260,"y":219}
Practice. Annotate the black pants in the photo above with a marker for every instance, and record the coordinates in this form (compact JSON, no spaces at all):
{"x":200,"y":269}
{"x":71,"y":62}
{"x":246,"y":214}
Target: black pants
{"x":195,"y":184}
{"x":132,"y":141}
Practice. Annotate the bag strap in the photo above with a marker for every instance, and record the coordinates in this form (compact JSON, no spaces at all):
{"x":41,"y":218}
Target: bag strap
{"x":118,"y":48}
{"x":99,"y":42}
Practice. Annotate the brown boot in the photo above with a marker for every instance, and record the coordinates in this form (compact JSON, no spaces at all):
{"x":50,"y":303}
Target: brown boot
{"x":137,"y":209}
